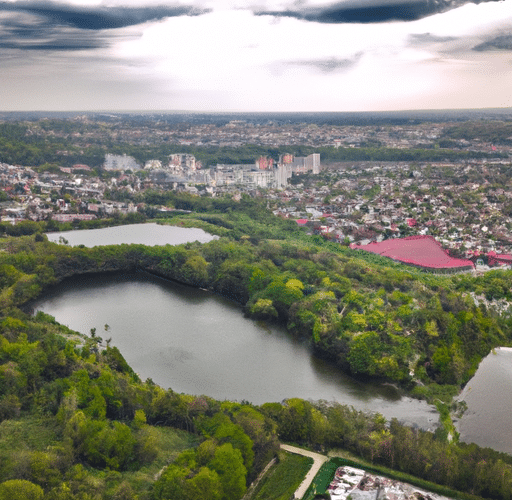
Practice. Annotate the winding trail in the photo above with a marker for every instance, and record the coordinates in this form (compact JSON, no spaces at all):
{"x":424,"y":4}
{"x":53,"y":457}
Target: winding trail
{"x":318,"y":461}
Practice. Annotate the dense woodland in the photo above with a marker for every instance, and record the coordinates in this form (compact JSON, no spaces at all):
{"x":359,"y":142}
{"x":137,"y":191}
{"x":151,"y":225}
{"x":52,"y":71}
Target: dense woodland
{"x":494,"y":131}
{"x":77,"y":423}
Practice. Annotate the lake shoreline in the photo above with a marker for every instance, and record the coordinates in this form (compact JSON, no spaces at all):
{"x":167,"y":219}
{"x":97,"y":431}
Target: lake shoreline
{"x":318,"y":373}
{"x":487,"y":410}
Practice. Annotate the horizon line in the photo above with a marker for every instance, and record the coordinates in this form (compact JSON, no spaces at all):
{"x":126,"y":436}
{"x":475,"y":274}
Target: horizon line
{"x":185,"y":111}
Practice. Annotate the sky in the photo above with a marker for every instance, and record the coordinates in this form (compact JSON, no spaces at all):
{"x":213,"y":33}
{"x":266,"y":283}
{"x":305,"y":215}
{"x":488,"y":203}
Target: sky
{"x":255,"y":55}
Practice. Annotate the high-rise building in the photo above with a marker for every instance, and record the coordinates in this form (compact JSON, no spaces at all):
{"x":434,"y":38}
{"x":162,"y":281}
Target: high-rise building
{"x":265,"y":163}
{"x":302,"y":164}
{"x":185,"y":161}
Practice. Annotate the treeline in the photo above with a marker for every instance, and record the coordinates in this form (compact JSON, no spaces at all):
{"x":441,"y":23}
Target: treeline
{"x":398,"y":154}
{"x":496,"y":132}
{"x":237,"y":439}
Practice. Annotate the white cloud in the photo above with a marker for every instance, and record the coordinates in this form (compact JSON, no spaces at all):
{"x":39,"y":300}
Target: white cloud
{"x":244,"y":59}
{"x":231,"y":59}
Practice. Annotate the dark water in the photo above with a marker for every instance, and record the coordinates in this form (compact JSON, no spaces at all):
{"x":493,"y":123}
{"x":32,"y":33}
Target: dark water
{"x":488,"y":419}
{"x":144,"y":234}
{"x":199,"y":343}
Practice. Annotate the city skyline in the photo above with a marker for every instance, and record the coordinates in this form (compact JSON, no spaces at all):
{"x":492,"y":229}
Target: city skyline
{"x":229,"y":55}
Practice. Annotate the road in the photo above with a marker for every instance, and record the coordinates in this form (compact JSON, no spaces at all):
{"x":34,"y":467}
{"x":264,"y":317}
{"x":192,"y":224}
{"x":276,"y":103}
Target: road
{"x":319,"y":460}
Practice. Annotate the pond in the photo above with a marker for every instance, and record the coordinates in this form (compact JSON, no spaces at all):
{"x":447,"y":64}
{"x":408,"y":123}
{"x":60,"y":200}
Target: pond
{"x":488,"y":395}
{"x":197,"y":342}
{"x":145,"y":234}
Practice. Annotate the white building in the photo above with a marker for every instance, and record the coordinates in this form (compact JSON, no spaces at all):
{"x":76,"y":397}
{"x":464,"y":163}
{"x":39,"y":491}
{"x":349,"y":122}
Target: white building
{"x":182,"y":161}
{"x":243,"y":175}
{"x":302,"y":164}
{"x":120,"y":162}
{"x":153,"y":165}
{"x":253,"y":176}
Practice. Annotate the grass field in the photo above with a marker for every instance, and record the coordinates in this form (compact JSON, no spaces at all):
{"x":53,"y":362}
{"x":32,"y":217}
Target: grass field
{"x":283,"y":479}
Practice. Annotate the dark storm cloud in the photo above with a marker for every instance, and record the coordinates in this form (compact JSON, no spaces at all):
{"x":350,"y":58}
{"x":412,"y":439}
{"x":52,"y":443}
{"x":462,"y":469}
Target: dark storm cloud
{"x":97,"y":18}
{"x":328,"y":65}
{"x":53,"y":26}
{"x":24,"y":31}
{"x":378,"y":11}
{"x":502,"y":42}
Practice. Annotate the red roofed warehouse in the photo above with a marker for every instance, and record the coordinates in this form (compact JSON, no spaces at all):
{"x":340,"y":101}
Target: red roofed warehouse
{"x":420,"y":251}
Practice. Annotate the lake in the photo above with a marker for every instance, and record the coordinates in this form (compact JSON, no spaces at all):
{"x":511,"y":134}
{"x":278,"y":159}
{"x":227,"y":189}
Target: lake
{"x":145,"y":234}
{"x":488,"y":395}
{"x":197,"y":342}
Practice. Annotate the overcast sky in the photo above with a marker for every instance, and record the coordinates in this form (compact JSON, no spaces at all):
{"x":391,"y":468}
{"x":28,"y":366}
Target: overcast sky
{"x":255,"y":55}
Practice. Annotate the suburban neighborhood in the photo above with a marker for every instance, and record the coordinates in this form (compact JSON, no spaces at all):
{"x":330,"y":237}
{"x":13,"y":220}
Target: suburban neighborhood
{"x":463,"y":203}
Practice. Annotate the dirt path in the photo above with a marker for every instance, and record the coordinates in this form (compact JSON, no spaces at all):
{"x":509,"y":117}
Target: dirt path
{"x":319,"y":460}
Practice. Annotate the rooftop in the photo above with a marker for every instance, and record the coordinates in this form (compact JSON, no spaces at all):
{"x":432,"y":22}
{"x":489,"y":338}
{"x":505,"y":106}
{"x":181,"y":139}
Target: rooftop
{"x":422,"y":251}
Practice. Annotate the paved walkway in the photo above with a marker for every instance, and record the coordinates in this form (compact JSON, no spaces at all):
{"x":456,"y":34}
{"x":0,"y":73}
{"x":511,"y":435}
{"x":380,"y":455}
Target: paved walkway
{"x":319,"y":460}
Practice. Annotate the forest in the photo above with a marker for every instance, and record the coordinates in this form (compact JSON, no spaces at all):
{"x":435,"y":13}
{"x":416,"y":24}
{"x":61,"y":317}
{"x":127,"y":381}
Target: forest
{"x":77,"y":423}
{"x":494,"y":131}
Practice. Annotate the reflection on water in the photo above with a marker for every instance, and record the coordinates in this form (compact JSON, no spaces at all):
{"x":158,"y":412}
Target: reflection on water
{"x":199,"y":343}
{"x":488,"y":396}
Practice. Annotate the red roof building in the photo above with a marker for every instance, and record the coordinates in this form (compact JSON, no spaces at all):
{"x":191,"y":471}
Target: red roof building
{"x":499,"y":259}
{"x":419,"y":251}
